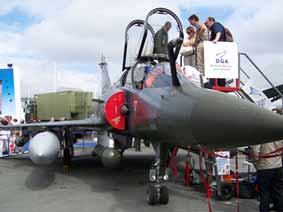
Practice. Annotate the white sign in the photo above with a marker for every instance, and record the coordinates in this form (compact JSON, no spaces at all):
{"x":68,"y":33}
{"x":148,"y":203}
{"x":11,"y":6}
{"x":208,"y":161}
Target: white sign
{"x":223,"y":162}
{"x":221,"y":60}
{"x":257,"y":95}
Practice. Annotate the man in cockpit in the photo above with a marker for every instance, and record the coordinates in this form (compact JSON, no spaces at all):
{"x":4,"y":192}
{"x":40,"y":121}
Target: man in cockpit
{"x":161,"y":39}
{"x":157,"y":78}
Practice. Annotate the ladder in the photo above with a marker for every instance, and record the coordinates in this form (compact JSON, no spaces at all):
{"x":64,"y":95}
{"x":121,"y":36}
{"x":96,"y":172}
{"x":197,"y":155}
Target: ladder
{"x":244,"y":73}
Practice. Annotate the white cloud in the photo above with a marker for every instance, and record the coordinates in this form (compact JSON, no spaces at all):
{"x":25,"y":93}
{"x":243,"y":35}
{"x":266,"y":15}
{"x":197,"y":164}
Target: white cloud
{"x":78,"y":31}
{"x":9,"y":43}
{"x":39,"y":76}
{"x":258,"y":31}
{"x":84,"y":29}
{"x":41,"y":8}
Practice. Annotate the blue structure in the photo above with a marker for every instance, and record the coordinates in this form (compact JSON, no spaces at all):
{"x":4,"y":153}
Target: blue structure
{"x":7,"y":90}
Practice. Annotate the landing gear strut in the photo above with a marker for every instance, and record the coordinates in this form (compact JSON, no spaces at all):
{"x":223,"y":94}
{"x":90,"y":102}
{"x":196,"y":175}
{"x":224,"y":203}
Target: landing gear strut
{"x":67,"y":152}
{"x":157,"y":192}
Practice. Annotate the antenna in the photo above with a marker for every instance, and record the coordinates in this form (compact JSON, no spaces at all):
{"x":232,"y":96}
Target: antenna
{"x":103,"y":61}
{"x":105,"y":79}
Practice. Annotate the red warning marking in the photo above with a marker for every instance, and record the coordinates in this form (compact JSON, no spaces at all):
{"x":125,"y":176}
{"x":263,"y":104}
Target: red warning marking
{"x":112,"y":110}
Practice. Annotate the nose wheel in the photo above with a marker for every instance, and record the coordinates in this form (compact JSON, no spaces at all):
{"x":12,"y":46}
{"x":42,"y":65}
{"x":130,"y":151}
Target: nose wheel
{"x":157,"y":192}
{"x":152,"y":195}
{"x":164,"y":195}
{"x":157,"y":195}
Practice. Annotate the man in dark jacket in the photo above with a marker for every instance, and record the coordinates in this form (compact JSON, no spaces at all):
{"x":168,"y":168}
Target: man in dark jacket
{"x":217,"y":30}
{"x":161,"y":39}
{"x":217,"y":34}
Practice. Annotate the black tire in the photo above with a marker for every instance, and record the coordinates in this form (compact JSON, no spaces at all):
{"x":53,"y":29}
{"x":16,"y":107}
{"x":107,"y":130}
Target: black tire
{"x":151,"y":195}
{"x":164,"y":195}
{"x":246,"y":190}
{"x":227,"y":191}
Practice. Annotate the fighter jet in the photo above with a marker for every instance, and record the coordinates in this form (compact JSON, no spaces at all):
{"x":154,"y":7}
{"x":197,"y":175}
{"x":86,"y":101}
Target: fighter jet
{"x":153,"y":102}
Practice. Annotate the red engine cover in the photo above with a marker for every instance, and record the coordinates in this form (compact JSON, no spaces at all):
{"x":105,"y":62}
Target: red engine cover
{"x":112,"y":110}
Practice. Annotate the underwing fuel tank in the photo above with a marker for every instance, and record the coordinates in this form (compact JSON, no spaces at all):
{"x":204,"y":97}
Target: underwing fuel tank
{"x":110,"y":157}
{"x":44,"y":148}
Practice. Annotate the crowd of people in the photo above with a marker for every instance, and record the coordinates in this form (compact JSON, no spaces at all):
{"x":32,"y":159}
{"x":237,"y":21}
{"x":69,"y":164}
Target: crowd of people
{"x":7,"y":137}
{"x":197,"y":33}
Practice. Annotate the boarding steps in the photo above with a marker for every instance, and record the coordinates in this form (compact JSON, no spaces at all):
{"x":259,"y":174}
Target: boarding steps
{"x":246,"y":75}
{"x":272,"y":94}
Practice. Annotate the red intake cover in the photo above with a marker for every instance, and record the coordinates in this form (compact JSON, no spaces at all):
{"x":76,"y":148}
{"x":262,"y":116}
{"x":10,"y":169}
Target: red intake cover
{"x":112,"y":110}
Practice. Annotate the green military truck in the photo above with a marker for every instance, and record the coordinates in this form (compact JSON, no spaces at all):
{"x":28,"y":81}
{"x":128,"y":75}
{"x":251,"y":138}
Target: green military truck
{"x":71,"y":105}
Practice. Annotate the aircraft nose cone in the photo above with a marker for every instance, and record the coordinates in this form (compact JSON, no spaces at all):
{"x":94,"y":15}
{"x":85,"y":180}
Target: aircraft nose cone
{"x":223,"y":120}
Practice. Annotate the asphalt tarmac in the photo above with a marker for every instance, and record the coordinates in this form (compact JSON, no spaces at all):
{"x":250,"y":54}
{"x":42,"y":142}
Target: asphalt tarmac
{"x":90,"y":187}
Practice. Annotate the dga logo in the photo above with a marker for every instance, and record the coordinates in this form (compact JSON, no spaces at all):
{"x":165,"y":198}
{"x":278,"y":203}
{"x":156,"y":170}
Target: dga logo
{"x":220,"y":57}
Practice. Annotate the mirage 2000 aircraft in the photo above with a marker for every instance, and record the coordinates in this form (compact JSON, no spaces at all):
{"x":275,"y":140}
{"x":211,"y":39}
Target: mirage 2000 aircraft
{"x":151,"y":101}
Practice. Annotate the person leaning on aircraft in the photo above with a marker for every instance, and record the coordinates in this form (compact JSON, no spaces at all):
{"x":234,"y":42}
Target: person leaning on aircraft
{"x":191,"y":37}
{"x":217,"y":30}
{"x":201,"y":35}
{"x":217,"y":33}
{"x":187,"y":49}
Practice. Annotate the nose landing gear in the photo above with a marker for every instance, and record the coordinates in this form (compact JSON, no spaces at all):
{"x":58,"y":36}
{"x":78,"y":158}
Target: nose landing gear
{"x":157,"y":192}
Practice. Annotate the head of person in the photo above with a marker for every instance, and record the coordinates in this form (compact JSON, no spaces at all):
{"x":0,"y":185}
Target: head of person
{"x":209,"y":22}
{"x":4,"y":122}
{"x":193,"y":19}
{"x":167,"y":26}
{"x":190,"y":31}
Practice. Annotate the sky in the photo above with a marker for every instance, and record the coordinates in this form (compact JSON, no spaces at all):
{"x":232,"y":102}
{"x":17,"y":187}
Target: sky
{"x":67,"y":37}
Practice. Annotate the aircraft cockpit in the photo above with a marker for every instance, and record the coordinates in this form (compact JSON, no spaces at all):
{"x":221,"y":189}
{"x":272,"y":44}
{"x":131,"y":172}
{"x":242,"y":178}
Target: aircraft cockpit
{"x":152,"y":76}
{"x":151,"y":70}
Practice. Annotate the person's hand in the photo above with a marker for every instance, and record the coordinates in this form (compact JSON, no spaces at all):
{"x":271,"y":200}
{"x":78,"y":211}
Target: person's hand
{"x":214,"y":41}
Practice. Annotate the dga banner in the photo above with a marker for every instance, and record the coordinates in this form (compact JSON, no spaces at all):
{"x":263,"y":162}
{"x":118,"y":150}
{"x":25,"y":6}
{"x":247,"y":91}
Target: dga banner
{"x":257,"y":95}
{"x":221,"y":60}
